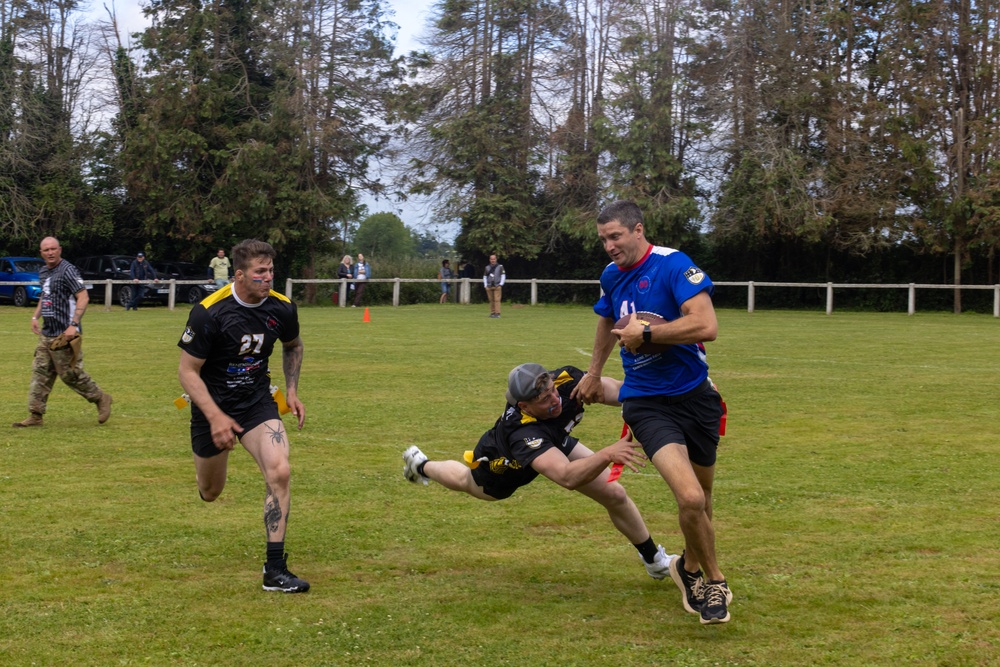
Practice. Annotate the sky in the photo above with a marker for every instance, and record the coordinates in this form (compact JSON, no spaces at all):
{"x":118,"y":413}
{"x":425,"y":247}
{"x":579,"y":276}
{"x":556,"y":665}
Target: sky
{"x":410,"y":16}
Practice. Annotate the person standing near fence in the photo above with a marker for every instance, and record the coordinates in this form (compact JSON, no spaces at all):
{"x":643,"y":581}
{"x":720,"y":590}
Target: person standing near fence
{"x":220,"y":269}
{"x":139,"y":271}
{"x":668,"y":402}
{"x":445,"y":275}
{"x":493,"y":280}
{"x":59,"y":352}
{"x":361,"y":272}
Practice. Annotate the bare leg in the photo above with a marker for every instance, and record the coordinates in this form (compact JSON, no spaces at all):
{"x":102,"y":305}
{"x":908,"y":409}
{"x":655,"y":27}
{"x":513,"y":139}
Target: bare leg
{"x":268,"y":444}
{"x":693,"y":490}
{"x":456,"y":476}
{"x":211,"y":474}
{"x":613,"y":497}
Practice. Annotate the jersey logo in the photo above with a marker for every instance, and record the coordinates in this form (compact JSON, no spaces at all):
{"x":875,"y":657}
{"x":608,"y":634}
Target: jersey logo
{"x":694,"y":275}
{"x":188,"y":335}
{"x":642,"y":286}
{"x":533,"y":443}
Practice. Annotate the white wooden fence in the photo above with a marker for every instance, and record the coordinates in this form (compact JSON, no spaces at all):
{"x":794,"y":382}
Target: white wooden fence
{"x":465,"y":286}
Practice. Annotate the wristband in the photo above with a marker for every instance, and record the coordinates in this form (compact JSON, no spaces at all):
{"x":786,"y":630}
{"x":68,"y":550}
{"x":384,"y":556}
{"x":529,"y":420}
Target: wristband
{"x":34,"y":318}
{"x":647,"y":334}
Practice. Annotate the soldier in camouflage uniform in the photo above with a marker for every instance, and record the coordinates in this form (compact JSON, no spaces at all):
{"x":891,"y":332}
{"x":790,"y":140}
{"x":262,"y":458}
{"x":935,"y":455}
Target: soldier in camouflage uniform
{"x":61,"y":306}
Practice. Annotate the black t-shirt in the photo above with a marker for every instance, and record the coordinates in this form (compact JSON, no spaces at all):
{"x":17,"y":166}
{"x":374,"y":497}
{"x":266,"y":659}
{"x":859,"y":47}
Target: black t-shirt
{"x":517,"y":439}
{"x":235,"y":340}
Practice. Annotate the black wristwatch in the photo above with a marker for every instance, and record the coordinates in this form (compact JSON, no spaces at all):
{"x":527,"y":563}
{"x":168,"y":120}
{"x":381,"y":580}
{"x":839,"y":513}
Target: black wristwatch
{"x":75,"y":324}
{"x":647,"y":334}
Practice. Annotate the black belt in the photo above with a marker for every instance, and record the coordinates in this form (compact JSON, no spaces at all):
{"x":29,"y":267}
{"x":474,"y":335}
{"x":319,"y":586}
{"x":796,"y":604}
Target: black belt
{"x":671,"y":400}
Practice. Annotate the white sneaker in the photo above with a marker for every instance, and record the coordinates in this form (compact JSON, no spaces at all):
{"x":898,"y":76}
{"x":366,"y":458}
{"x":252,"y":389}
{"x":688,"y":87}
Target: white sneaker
{"x":412,"y":458}
{"x":660,"y":567}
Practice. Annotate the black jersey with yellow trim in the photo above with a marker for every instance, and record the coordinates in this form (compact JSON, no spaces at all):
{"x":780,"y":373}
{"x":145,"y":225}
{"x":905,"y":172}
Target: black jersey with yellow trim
{"x":522,"y":438}
{"x":236,"y":340}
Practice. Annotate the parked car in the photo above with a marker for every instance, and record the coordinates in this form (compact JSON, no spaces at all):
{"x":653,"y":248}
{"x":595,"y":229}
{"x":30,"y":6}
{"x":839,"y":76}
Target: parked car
{"x":186,"y":271}
{"x":96,"y":269}
{"x":20,"y":269}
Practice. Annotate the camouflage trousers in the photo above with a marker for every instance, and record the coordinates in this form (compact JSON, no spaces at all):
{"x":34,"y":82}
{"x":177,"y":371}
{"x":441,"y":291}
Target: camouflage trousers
{"x":48,"y":365}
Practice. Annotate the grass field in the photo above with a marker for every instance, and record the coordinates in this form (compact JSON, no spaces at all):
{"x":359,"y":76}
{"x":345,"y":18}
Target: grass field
{"x":856,"y":504}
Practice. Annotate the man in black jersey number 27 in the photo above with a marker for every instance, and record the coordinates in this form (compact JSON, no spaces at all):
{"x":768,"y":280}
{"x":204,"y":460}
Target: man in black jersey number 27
{"x":224,"y":353}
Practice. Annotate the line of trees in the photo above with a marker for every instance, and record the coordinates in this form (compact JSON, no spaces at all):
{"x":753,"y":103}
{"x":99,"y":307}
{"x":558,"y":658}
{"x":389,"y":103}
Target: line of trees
{"x":774,"y":140}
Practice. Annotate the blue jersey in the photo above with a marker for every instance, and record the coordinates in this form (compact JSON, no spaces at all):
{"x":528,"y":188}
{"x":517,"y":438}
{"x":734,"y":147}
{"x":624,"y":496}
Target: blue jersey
{"x":659,"y":283}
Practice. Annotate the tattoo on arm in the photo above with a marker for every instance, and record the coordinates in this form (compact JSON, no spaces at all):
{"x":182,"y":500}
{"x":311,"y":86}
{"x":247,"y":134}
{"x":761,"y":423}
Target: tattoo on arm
{"x":291,"y":363}
{"x":272,"y":511}
{"x":277,"y":434}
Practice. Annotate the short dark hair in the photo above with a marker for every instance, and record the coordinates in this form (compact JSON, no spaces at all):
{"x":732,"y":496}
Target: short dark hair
{"x":444,"y":262}
{"x":250,"y":249}
{"x":625,"y":212}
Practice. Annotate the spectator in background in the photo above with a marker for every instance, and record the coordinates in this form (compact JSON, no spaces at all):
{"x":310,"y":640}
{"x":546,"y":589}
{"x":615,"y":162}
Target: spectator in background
{"x":344,"y":270}
{"x":361,"y":272}
{"x":343,"y":273}
{"x":466,"y":270}
{"x":493,"y":280}
{"x":139,"y":271}
{"x":220,"y":269}
{"x":444,"y":275}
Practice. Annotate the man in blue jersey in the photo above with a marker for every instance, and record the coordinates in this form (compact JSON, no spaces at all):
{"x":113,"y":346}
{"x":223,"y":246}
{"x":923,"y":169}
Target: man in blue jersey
{"x":667,"y":399}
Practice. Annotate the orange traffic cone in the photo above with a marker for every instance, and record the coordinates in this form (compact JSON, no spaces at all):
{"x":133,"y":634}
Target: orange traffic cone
{"x":367,"y":317}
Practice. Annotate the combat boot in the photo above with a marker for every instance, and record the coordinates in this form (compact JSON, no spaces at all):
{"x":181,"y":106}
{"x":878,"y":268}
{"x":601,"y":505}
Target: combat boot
{"x":34,"y":420}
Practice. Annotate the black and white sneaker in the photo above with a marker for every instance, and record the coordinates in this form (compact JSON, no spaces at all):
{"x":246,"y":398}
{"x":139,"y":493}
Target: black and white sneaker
{"x":278,"y":579}
{"x":716,"y":597}
{"x":690,"y":584}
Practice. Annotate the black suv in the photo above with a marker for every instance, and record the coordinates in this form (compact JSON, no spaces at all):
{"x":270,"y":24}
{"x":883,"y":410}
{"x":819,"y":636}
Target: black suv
{"x":98,"y":268}
{"x":186,"y":271}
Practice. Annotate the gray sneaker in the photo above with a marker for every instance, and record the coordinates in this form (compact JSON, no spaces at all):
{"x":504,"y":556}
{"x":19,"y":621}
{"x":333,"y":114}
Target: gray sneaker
{"x":660,"y":567}
{"x":412,"y":458}
{"x":715,"y":601}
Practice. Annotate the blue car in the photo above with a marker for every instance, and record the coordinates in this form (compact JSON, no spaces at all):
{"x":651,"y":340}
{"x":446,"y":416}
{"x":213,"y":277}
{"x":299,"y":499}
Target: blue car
{"x":20,"y":269}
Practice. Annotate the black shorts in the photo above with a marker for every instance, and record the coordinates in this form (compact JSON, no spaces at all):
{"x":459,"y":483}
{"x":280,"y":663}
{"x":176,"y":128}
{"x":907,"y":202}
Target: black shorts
{"x":201,"y":431}
{"x":503,"y":485}
{"x":657,"y":421}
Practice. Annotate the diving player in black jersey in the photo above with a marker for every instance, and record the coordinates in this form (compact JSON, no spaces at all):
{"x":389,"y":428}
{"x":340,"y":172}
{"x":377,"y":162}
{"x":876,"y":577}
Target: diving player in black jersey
{"x":224,"y":369}
{"x":532,"y":437}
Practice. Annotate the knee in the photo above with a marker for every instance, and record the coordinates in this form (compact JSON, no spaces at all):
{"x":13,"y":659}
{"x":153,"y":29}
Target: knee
{"x":691,"y":502}
{"x":613,"y":495}
{"x":278,"y":475}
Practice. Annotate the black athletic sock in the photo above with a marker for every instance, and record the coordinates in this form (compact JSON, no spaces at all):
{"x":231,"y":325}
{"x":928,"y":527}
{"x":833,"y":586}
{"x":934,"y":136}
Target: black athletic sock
{"x":275,"y":552}
{"x":647,"y":549}
{"x":420,"y":468}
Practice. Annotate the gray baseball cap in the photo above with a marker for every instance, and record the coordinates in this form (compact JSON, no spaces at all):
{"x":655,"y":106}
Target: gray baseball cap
{"x":521,"y":383}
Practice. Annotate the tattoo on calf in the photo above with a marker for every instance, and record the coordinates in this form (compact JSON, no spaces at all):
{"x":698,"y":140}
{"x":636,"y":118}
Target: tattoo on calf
{"x":272,"y":511}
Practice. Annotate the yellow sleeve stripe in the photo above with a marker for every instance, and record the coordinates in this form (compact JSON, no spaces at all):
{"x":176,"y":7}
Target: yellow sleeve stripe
{"x":280,"y":296}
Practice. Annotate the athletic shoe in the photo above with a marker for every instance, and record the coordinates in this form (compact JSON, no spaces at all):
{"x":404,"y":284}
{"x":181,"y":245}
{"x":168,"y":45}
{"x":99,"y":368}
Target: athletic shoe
{"x":716,"y":597}
{"x":278,"y":578}
{"x":660,"y":567}
{"x":689,"y":583}
{"x":412,"y":458}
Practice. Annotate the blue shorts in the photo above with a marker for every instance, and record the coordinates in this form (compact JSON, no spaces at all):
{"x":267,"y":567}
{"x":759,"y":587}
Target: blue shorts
{"x":693,"y":421}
